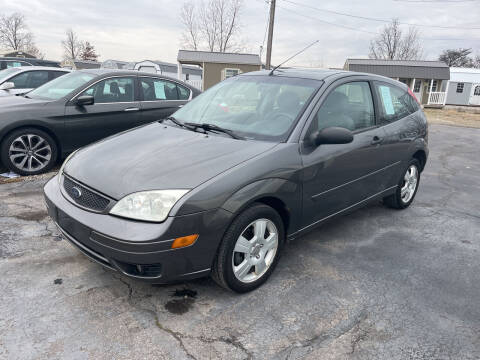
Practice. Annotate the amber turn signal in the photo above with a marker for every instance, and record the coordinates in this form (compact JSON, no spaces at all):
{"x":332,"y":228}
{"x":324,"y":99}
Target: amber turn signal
{"x":184,"y":241}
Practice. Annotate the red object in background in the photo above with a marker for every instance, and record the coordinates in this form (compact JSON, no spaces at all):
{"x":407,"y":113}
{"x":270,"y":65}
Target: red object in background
{"x":413,"y":95}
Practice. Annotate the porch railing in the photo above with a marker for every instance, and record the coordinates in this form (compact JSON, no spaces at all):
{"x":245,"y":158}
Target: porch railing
{"x":195,"y":83}
{"x":437,"y":98}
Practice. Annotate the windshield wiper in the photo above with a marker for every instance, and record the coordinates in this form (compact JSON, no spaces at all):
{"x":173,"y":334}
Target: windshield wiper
{"x":177,"y":122}
{"x":212,"y":127}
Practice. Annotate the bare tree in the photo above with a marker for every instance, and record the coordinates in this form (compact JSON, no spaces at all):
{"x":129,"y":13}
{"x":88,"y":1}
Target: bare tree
{"x":14,"y":33}
{"x":392,"y":44}
{"x":211,"y":24}
{"x":457,"y":57}
{"x":191,"y":35}
{"x":72,"y":46}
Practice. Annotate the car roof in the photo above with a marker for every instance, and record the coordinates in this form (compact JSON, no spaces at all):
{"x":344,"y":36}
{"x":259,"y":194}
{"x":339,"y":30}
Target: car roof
{"x":101,"y":71}
{"x":34,"y":67}
{"x":317,"y":74}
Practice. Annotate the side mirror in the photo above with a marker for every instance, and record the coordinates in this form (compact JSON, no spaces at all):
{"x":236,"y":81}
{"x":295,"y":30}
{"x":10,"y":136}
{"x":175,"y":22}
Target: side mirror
{"x":7,"y":85}
{"x":331,"y":135}
{"x":85,"y":100}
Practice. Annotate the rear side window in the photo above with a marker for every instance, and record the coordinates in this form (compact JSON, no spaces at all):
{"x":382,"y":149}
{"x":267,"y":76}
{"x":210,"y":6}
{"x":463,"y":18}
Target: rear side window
{"x":395,"y":103}
{"x":55,"y":74}
{"x":160,"y":89}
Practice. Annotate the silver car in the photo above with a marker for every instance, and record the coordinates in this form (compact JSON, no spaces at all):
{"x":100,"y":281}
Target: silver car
{"x":20,"y":80}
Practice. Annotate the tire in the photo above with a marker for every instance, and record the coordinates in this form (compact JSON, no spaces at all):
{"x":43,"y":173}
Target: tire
{"x":260,"y":251}
{"x":28,"y":151}
{"x":399,"y":201}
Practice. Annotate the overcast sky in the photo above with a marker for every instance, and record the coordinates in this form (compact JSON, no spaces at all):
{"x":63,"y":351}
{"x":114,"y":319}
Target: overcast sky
{"x":150,"y":29}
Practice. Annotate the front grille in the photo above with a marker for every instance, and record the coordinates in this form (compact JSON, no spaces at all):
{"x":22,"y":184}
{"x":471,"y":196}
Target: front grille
{"x":84,"y":197}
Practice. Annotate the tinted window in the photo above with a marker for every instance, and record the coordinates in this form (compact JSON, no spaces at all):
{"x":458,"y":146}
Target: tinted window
{"x":61,"y":86}
{"x":159,"y":89}
{"x":10,"y":64}
{"x":30,"y":79}
{"x":349,"y":106}
{"x":183,"y":93}
{"x":112,"y":90}
{"x":56,"y":74}
{"x":395,"y":103}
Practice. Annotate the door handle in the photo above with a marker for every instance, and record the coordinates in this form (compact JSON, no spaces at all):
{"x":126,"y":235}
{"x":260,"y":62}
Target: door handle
{"x":376,"y":140}
{"x":131,"y":109}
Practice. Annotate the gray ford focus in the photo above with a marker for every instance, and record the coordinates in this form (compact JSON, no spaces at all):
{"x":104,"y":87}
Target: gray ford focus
{"x":220,"y":186}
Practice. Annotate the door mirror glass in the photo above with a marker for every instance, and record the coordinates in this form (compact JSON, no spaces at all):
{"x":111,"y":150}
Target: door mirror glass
{"x":7,"y":85}
{"x":331,"y":135}
{"x":85,"y":100}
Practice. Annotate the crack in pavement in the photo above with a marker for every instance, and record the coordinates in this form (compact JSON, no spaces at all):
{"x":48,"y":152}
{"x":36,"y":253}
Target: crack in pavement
{"x":307,"y":346}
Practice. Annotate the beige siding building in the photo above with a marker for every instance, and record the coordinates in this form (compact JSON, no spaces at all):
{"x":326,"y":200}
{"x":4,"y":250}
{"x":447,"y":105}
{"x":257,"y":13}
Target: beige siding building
{"x":218,"y":66}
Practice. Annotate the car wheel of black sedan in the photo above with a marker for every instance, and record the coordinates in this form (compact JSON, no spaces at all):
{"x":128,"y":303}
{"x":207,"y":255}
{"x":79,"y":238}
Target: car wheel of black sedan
{"x":250,"y":249}
{"x":407,"y":187}
{"x":28,"y":151}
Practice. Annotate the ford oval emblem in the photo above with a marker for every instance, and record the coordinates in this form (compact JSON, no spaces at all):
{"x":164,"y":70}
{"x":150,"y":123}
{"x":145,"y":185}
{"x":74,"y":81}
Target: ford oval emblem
{"x":76,"y":192}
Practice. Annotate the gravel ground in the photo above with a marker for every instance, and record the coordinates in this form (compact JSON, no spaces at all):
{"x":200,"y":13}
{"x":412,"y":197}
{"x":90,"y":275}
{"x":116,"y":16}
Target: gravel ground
{"x":378,"y":283}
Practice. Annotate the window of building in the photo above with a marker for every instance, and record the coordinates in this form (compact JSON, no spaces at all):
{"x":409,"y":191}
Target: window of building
{"x":417,"y":86}
{"x":434,"y":85}
{"x":227,"y":73}
{"x":476,"y":92}
{"x":460,"y":87}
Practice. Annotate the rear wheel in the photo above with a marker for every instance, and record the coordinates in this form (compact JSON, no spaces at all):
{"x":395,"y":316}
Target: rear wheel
{"x":28,"y":151}
{"x":250,"y":249}
{"x":407,"y":187}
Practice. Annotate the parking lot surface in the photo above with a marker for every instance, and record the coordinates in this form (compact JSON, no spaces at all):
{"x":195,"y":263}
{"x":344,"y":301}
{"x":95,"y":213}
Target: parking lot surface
{"x":378,"y":283}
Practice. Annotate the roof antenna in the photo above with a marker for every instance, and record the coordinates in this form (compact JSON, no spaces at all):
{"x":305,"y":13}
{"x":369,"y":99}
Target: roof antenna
{"x":290,"y":58}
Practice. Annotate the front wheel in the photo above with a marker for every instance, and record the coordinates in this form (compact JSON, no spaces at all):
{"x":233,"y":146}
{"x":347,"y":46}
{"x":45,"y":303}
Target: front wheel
{"x":407,"y":187}
{"x":28,"y":151}
{"x":250,"y":249}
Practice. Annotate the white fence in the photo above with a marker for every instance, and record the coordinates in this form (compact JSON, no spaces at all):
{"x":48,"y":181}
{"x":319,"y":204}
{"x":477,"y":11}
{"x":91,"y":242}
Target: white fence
{"x":437,"y":98}
{"x":195,"y":83}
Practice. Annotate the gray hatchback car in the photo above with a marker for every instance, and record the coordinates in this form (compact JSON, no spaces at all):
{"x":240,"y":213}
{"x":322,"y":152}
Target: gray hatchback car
{"x":220,"y":186}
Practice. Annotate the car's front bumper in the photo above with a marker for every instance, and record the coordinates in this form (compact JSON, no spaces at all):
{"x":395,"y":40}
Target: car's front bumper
{"x":140,"y":249}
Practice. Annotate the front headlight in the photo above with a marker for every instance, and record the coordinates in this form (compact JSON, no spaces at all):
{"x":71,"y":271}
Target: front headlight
{"x":148,"y":205}
{"x":60,"y":172}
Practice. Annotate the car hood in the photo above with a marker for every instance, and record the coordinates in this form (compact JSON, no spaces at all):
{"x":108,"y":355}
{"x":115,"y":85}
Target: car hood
{"x":12,"y":102}
{"x":158,"y":157}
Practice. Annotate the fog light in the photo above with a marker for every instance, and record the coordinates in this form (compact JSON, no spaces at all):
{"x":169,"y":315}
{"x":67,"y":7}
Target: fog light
{"x":184,"y":241}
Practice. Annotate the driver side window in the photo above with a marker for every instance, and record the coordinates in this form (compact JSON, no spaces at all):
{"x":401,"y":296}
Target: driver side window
{"x":112,"y":90}
{"x":349,"y":106}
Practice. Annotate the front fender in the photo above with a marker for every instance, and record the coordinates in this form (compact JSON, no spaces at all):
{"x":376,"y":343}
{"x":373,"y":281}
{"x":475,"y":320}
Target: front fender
{"x":285,"y":192}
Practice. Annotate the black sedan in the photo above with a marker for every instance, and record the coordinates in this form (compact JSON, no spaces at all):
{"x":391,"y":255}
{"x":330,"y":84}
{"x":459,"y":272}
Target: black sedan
{"x":258,"y":159}
{"x":79,"y":108}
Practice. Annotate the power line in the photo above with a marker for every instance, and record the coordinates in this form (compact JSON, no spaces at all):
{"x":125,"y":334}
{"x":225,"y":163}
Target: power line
{"x":326,"y":22}
{"x":360,"y":30}
{"x":378,"y":19}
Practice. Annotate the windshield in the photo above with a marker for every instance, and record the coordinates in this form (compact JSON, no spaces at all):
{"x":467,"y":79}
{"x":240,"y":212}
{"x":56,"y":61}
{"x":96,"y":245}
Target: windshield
{"x":8,"y":72}
{"x":254,"y":107}
{"x":61,"y":86}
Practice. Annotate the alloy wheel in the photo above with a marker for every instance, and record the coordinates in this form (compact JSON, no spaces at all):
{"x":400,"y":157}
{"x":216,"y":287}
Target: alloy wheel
{"x":410,"y":181}
{"x":30,"y":152}
{"x":255,"y":250}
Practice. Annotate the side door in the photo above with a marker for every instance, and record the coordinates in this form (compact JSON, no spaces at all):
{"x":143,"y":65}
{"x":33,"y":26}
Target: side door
{"x":161,"y":97}
{"x":338,"y":176}
{"x":115,"y":109}
{"x":398,"y":115}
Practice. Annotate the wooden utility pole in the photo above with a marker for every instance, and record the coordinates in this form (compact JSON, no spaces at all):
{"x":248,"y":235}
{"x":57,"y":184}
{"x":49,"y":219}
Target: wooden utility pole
{"x":270,"y":35}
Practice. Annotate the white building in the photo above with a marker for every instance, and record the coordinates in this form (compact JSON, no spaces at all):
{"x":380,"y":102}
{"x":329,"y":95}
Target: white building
{"x":464,"y":87}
